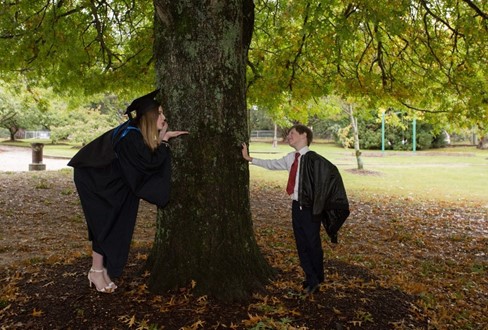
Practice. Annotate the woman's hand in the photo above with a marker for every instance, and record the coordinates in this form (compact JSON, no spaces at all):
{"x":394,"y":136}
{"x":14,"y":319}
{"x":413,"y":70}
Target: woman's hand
{"x":172,"y":134}
{"x":165,"y":135}
{"x":163,"y":131}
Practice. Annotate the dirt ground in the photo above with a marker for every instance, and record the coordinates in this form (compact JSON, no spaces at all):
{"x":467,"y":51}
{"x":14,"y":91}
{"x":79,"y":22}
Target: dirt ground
{"x":44,"y":257}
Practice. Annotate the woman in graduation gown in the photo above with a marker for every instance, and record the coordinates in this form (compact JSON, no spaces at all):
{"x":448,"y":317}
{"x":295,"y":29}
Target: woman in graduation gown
{"x":112,"y":173}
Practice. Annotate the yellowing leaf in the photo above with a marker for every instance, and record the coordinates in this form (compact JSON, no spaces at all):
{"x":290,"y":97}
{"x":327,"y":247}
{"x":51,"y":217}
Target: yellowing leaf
{"x":253,"y":319}
{"x":132,"y":321}
{"x":338,"y":312}
{"x":198,"y":324}
{"x":37,"y":313}
{"x":142,"y":288}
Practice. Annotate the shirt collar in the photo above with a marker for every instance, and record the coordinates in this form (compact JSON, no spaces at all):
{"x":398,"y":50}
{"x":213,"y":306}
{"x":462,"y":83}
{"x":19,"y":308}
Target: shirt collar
{"x":303,"y":151}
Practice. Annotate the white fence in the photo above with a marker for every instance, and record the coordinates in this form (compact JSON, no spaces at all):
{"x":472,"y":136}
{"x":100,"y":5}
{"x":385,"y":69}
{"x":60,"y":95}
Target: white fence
{"x":257,"y":134}
{"x":37,"y":135}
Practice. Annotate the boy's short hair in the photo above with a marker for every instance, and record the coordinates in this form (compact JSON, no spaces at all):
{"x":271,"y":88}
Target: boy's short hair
{"x":304,"y":129}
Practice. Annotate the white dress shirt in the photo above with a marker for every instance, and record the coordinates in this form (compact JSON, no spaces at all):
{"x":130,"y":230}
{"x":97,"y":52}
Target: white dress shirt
{"x":283,"y":163}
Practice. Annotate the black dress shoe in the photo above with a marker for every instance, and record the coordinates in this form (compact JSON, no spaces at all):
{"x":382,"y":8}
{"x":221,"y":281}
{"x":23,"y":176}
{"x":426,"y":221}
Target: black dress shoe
{"x":333,"y":238}
{"x":312,"y":289}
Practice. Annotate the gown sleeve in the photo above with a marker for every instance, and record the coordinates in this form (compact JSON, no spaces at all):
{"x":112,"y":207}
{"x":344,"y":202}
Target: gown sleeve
{"x":148,"y":174}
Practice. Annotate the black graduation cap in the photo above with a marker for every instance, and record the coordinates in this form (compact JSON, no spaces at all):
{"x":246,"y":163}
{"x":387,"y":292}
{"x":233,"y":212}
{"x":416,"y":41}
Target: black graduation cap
{"x":142,"y":104}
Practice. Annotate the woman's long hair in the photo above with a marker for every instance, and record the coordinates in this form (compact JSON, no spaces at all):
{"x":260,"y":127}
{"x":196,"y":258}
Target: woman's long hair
{"x":147,"y":123}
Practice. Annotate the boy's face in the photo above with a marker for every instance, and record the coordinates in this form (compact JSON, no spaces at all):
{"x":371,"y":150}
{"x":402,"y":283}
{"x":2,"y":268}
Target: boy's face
{"x":297,"y":140}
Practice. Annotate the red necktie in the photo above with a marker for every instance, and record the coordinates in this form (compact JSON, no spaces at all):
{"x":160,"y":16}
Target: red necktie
{"x":293,"y":174}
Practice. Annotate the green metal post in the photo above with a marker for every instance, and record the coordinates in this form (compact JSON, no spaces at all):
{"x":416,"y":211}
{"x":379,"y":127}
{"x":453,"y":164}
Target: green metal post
{"x":414,"y":138}
{"x":383,"y":132}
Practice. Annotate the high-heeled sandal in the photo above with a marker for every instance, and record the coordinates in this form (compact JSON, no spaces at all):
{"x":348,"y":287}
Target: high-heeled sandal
{"x":106,"y":289}
{"x":111,"y":284}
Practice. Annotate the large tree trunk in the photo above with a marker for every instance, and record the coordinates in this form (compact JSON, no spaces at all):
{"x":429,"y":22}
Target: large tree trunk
{"x":205,"y":234}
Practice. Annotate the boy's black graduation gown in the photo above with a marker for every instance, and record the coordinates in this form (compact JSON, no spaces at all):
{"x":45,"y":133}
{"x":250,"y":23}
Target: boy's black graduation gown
{"x":110,"y":190}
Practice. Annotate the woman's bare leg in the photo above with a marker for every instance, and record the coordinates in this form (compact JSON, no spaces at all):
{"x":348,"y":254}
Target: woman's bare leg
{"x":97,"y":273}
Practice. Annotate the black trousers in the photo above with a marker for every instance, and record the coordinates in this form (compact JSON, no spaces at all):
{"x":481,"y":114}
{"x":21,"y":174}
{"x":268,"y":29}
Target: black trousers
{"x":309,"y":245}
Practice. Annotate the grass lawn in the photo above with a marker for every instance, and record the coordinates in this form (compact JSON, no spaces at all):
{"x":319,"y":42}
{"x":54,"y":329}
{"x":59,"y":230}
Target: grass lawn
{"x":457,"y":174}
{"x":450,"y":174}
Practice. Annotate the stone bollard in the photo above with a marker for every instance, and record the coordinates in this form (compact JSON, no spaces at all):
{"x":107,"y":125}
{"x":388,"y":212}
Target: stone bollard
{"x":37,"y":164}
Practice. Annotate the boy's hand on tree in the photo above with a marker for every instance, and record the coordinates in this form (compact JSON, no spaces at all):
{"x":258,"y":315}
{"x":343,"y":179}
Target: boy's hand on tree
{"x":245,"y":152}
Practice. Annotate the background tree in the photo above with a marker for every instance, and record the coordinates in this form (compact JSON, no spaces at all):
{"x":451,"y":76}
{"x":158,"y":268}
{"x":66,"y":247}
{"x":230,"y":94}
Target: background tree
{"x":25,"y":107}
{"x":348,"y":108}
{"x":85,"y":46}
{"x":420,"y":56}
{"x":259,"y":120}
{"x":9,"y":112}
{"x":83,"y":120}
{"x":81,"y":125}
{"x":417,"y":56}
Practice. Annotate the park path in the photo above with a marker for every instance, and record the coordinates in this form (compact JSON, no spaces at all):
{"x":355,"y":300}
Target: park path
{"x":17,"y":159}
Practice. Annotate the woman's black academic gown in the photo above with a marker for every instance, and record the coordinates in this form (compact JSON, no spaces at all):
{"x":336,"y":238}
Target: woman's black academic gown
{"x":110,"y":194}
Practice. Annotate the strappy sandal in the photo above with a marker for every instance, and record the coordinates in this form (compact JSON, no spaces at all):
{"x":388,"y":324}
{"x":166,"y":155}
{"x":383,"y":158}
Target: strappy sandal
{"x":107,"y":289}
{"x":111,"y":284}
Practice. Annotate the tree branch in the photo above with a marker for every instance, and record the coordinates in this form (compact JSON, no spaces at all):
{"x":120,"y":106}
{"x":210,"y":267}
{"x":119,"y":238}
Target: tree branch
{"x":476,"y":9}
{"x":422,"y":110}
{"x":429,"y":38}
{"x":426,"y":7}
{"x":256,"y":74}
{"x":101,"y":37}
{"x":294,"y":64}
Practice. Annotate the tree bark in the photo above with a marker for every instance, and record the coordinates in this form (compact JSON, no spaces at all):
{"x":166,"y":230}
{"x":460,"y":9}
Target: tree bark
{"x":205,"y":234}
